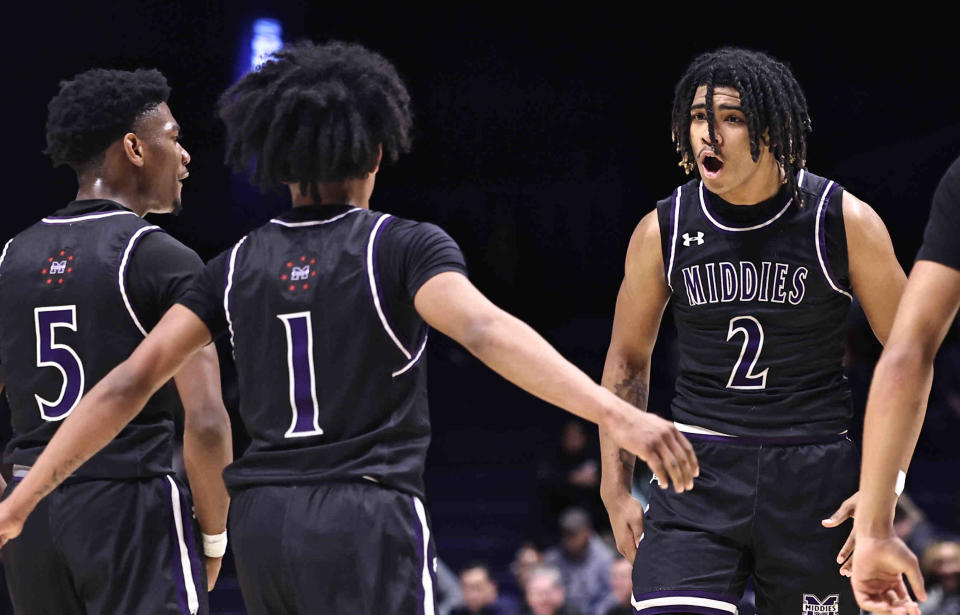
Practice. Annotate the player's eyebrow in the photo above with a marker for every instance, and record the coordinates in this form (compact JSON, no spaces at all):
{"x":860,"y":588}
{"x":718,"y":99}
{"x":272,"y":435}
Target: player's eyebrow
{"x":722,"y":107}
{"x":173,"y":126}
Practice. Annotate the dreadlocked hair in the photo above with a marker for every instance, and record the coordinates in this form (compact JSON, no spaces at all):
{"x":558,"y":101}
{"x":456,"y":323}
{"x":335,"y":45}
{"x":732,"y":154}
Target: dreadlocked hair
{"x":96,"y":108}
{"x":770,"y":97}
{"x":316,"y":113}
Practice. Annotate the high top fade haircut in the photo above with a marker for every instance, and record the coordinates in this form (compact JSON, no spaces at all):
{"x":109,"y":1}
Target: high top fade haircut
{"x":771,"y":100}
{"x":96,"y":108}
{"x":316,"y":113}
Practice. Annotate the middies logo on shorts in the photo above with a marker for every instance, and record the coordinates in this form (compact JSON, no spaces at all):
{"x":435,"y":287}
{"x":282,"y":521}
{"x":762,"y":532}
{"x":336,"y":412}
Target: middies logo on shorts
{"x":813,"y":604}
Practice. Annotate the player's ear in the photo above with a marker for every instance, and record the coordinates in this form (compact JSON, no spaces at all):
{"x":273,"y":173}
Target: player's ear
{"x":376,"y":166}
{"x":133,"y":149}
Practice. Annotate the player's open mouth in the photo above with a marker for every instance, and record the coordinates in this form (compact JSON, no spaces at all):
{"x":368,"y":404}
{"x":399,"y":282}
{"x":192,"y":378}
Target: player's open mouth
{"x":711,"y":165}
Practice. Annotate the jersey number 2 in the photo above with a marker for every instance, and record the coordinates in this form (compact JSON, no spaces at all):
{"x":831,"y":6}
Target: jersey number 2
{"x":51,"y":354}
{"x":303,"y":385}
{"x":743,"y":376}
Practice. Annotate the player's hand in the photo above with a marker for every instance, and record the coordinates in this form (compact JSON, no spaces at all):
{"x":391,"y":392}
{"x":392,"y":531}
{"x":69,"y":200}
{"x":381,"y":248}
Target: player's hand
{"x":213,"y":570}
{"x":878,"y":576}
{"x":659,"y":444}
{"x":11,"y":524}
{"x":626,"y":519}
{"x":843,"y":513}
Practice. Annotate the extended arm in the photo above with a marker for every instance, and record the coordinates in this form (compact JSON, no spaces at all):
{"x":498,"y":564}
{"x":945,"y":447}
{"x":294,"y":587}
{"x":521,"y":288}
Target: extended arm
{"x":207,"y":444}
{"x":451,"y":304}
{"x":104,"y":411}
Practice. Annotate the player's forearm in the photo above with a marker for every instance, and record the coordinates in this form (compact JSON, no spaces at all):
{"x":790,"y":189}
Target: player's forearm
{"x":518,"y":353}
{"x":207,"y":450}
{"x":894,"y":417}
{"x":96,"y":420}
{"x":629,"y":380}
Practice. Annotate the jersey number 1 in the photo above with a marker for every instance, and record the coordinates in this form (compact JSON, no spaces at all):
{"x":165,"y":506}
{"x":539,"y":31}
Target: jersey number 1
{"x":303,"y":385}
{"x":46,"y":321}
{"x":742,"y":376}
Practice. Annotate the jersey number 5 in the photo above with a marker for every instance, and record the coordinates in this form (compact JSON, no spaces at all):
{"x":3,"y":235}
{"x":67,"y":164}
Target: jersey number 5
{"x":51,"y":354}
{"x":303,"y":385}
{"x":742,"y":376}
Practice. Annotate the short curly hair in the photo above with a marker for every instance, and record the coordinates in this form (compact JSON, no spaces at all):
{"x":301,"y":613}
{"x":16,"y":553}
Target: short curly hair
{"x":96,"y":108}
{"x":316,"y":113}
{"x":770,"y":97}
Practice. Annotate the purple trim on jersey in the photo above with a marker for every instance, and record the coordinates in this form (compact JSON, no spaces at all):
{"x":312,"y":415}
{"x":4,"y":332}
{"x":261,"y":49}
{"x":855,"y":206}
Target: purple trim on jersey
{"x":693,"y":593}
{"x":376,"y":268}
{"x":669,"y":260}
{"x":822,"y":235}
{"x":681,"y":608}
{"x":82,"y":217}
{"x":178,"y":581}
{"x":124,"y":261}
{"x":418,"y":532}
{"x":754,"y":441}
{"x":725,"y":225}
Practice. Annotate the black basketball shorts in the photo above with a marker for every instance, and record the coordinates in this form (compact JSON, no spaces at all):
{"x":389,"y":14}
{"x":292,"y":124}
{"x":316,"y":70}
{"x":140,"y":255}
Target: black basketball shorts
{"x":755,"y":510}
{"x":104,"y":547}
{"x":338,"y":549}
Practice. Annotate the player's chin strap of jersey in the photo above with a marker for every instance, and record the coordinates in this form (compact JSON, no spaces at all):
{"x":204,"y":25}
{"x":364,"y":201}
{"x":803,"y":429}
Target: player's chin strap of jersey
{"x":215,"y":545}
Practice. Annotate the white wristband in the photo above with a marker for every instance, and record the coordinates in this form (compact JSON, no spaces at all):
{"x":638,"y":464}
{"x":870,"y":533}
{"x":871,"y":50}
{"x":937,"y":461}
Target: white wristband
{"x":214,"y":546}
{"x":901,"y":481}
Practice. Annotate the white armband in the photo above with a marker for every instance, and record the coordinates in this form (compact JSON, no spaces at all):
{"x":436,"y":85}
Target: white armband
{"x":901,"y":481}
{"x":214,"y":546}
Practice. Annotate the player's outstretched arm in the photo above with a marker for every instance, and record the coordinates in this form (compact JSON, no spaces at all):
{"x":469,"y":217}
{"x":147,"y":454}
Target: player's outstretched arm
{"x":207,"y":446}
{"x":451,"y":304}
{"x":895,"y":411}
{"x":104,"y":411}
{"x":878,"y":282}
{"x":640,"y":303}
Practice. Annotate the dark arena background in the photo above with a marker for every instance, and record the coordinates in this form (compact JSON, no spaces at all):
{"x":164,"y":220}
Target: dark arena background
{"x":540,"y":142}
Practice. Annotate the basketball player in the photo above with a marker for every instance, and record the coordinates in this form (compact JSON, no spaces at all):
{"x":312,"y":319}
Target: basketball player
{"x":327,"y":309}
{"x":78,"y":291}
{"x":895,"y":410}
{"x":760,"y":258}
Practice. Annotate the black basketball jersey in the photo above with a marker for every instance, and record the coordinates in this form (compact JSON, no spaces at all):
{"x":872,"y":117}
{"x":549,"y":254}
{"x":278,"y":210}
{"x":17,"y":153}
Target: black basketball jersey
{"x":332,"y":382}
{"x":66,"y":320}
{"x":760,"y":307}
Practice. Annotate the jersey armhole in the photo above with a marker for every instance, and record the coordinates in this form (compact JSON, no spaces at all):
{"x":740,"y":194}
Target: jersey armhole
{"x":668,"y":218}
{"x":122,"y":278}
{"x":823,"y":220}
{"x":3,"y":254}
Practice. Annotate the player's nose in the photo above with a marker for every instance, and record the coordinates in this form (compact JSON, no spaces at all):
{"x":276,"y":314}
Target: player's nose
{"x":184,"y":155}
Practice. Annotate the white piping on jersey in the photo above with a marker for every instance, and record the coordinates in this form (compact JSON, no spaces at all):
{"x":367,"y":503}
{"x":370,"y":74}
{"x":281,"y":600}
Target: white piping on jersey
{"x":87,"y":217}
{"x":192,"y":603}
{"x":709,"y":603}
{"x":226,"y":292}
{"x":800,"y":179}
{"x":703,"y":431}
{"x":313,"y":222}
{"x":3,"y":254}
{"x":673,"y":236}
{"x":816,"y":240}
{"x":123,"y":273}
{"x":373,"y":286}
{"x":428,"y":606}
{"x":703,"y":206}
{"x":416,"y":357}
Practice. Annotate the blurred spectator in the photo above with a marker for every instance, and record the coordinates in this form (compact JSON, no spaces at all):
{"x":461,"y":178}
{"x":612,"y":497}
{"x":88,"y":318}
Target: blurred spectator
{"x":583,"y":560}
{"x":617,"y":601}
{"x":526,"y":559}
{"x":545,"y":593}
{"x":448,"y":589}
{"x":912,"y":526}
{"x":570,"y":478}
{"x":940,"y":564}
{"x":480,"y":594}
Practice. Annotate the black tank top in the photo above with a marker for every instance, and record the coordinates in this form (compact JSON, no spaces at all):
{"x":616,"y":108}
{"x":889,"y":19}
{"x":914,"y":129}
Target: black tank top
{"x":760,"y":298}
{"x":65,"y":321}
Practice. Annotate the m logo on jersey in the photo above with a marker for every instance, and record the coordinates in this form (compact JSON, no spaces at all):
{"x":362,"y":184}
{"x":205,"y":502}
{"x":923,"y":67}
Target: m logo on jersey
{"x":57,"y":267}
{"x":296,"y":272}
{"x":687,"y":239}
{"x":300,"y":273}
{"x":813,"y":604}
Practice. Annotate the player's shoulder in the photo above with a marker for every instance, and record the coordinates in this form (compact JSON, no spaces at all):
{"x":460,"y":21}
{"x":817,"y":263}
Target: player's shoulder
{"x":815,"y":188}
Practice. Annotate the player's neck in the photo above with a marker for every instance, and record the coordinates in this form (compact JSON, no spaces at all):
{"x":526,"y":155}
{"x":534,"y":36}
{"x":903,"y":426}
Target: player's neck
{"x":354,"y":192}
{"x":100,"y":188}
{"x":761,"y":186}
